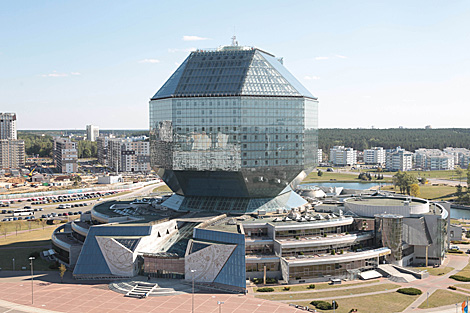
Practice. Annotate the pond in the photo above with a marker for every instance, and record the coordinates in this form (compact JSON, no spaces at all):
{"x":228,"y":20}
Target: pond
{"x":358,"y":186}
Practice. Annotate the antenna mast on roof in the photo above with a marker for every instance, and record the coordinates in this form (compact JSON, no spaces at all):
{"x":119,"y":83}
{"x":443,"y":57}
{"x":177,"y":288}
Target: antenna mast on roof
{"x":234,"y":41}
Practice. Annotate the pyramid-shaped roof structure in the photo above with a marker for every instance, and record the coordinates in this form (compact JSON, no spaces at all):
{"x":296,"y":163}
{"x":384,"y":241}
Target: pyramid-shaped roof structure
{"x":232,"y":71}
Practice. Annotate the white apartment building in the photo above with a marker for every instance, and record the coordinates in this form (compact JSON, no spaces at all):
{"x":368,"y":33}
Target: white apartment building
{"x":339,"y":155}
{"x":458,"y":154}
{"x":8,"y":126}
{"x":433,"y":159}
{"x":92,"y":132}
{"x":320,"y":156}
{"x":375,"y":156}
{"x":398,"y":159}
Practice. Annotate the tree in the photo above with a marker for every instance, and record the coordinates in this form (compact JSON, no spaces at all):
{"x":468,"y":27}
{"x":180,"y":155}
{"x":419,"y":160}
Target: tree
{"x":414,"y":190}
{"x":62,"y":270}
{"x":319,"y":173}
{"x":404,"y":181}
{"x":76,"y":180}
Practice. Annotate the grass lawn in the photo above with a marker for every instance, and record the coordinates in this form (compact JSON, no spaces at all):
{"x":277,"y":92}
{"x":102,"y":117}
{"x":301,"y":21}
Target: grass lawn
{"x":436,"y":271}
{"x":29,"y":238}
{"x":339,"y":177}
{"x":21,"y":257}
{"x":386,"y":302}
{"x":318,"y":286}
{"x":465,"y":271}
{"x":327,"y":294}
{"x":443,"y":297}
{"x":19,"y":225}
{"x":463,"y":286}
{"x":431,"y":192}
{"x":161,"y":189}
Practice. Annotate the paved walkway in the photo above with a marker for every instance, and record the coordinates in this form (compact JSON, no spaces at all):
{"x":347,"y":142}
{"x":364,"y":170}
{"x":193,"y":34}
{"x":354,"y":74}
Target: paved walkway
{"x":89,"y":296}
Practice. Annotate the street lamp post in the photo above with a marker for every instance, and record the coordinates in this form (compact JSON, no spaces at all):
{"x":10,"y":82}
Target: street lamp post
{"x":32,"y":278}
{"x":220,"y":305}
{"x":427,"y":298}
{"x":192,"y":300}
{"x":334,"y":306}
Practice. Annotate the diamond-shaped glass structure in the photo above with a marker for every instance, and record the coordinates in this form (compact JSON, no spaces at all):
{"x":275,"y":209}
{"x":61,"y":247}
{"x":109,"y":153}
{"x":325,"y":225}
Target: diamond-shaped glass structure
{"x":232,"y":124}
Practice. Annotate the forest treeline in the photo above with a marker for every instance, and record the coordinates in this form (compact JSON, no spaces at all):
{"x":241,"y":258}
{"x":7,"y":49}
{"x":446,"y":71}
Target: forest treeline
{"x":359,"y":139}
{"x":409,"y":139}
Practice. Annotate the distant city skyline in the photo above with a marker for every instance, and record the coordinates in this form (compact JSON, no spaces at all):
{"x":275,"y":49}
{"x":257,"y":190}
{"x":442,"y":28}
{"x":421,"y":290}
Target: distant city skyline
{"x":66,"y":65}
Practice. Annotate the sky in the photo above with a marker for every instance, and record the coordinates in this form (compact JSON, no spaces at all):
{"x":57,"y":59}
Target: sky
{"x":382,"y":64}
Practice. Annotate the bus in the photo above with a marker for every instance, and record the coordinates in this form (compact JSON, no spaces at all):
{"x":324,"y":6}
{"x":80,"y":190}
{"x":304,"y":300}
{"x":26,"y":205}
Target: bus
{"x":64,"y":206}
{"x":23,"y":212}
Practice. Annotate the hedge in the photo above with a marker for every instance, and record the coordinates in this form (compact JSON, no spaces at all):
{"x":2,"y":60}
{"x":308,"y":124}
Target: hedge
{"x":265,"y":289}
{"x":311,"y":286}
{"x":460,"y":278}
{"x":410,"y":291}
{"x":323,"y":305}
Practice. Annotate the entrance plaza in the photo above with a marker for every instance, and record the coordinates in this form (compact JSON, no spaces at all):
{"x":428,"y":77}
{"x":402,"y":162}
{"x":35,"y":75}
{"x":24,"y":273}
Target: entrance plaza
{"x":94,"y":296}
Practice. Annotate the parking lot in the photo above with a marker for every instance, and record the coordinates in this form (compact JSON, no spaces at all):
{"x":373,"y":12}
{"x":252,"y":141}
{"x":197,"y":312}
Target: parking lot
{"x":51,"y":206}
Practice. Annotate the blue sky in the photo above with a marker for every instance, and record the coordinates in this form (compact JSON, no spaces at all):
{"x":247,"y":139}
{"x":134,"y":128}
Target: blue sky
{"x":65,"y":64}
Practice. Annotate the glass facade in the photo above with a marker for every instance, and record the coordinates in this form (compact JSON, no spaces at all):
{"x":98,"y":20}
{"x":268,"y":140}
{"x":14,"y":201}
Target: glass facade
{"x":389,"y":233}
{"x":233,"y":126}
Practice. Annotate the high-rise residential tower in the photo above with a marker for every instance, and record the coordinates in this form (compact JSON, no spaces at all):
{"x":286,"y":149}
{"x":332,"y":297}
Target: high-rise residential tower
{"x":8,"y":126}
{"x":233,"y":130}
{"x":92,"y":132}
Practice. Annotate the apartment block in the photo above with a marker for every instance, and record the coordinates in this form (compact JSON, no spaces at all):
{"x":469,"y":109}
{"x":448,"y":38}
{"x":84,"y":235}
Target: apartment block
{"x":398,"y":159}
{"x":65,"y":155}
{"x":8,"y":126}
{"x":458,"y":154}
{"x":339,"y":155}
{"x":12,"y":153}
{"x":375,"y":156}
{"x":129,"y":155}
{"x":433,"y":159}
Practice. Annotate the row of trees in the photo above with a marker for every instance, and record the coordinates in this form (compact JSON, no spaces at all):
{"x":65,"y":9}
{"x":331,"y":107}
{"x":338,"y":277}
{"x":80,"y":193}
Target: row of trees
{"x":407,"y":183}
{"x":42,"y":145}
{"x":463,"y":193}
{"x":409,"y":139}
{"x":367,"y":176}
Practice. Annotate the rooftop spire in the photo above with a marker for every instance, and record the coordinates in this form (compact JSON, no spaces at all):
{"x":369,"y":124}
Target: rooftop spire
{"x":234,"y":41}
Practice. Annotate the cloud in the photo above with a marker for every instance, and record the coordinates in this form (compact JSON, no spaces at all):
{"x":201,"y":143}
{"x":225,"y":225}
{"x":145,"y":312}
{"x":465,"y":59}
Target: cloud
{"x":367,"y":97}
{"x":149,"y":61}
{"x":341,"y":56}
{"x":194,"y":38}
{"x":311,"y":77}
{"x":55,"y":74}
{"x":321,"y":58}
{"x":181,"y":50}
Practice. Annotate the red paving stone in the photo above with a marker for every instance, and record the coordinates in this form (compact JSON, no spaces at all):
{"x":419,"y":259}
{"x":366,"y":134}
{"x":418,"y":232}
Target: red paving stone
{"x":98,"y":298}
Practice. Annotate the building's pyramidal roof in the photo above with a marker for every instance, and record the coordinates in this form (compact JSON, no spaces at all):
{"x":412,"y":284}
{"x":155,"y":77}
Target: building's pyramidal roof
{"x":237,"y":71}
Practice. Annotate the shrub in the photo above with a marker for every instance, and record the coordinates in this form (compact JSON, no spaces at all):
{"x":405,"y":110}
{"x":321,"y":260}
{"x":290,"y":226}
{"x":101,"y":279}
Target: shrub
{"x":265,"y":289}
{"x":332,"y":251}
{"x":257,"y":280}
{"x":452,"y":288}
{"x":34,"y":254}
{"x":460,"y":278}
{"x":311,"y":286}
{"x":323,"y":305}
{"x":286,"y":288}
{"x":410,"y":291}
{"x":455,"y":251}
{"x":271,"y":280}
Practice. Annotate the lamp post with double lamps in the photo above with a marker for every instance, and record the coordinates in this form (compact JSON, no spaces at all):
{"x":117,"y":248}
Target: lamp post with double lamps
{"x":192,"y":300}
{"x":32,"y":278}
{"x":220,"y":305}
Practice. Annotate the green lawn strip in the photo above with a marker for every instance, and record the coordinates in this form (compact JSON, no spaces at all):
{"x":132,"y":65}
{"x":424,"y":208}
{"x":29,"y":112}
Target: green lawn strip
{"x":163,"y":188}
{"x":327,"y":294}
{"x":319,"y":286}
{"x":442,"y":297}
{"x":431,"y":192}
{"x":463,"y":286}
{"x":21,"y":257}
{"x":435,"y":271}
{"x":465,"y":272}
{"x":385,"y":302}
